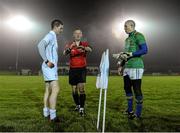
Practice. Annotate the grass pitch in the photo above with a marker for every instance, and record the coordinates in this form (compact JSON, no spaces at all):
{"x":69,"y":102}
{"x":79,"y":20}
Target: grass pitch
{"x":21,"y":105}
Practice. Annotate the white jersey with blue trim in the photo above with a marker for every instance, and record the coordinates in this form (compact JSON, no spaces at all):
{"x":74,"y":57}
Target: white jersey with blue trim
{"x":48,"y":49}
{"x":52,"y":47}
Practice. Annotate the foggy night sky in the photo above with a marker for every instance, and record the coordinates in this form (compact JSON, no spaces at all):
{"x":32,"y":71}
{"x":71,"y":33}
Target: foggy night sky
{"x":161,"y":20}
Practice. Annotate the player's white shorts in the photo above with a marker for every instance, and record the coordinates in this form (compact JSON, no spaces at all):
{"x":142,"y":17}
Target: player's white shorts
{"x":133,"y":73}
{"x":49,"y":74}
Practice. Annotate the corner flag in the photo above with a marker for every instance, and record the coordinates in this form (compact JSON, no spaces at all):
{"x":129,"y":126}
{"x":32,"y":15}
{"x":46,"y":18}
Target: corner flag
{"x":102,"y":83}
{"x":102,"y":78}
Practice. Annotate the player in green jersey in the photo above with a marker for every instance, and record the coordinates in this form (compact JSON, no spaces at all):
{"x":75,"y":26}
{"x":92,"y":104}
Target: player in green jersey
{"x":132,"y":67}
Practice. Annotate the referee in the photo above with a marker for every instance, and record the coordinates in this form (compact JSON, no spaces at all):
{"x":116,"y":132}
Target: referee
{"x":77,"y":50}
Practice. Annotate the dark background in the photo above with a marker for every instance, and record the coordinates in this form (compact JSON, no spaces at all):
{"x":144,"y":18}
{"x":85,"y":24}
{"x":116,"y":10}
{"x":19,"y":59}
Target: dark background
{"x":95,"y":17}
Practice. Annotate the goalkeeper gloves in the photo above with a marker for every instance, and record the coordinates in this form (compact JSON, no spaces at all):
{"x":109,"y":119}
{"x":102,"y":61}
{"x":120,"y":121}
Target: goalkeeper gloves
{"x":123,"y":56}
{"x":118,"y":56}
{"x":127,"y":55}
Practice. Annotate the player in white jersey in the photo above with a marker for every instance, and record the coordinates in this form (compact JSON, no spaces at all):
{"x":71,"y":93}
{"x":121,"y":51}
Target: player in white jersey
{"x":48,"y":50}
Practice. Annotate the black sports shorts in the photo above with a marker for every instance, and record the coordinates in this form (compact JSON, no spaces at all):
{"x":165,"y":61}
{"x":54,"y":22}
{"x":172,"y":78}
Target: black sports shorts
{"x":77,"y":75}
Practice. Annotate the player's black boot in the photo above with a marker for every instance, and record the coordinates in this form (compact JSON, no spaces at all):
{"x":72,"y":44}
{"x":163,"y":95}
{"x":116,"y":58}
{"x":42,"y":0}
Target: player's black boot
{"x":134,"y":116}
{"x":131,"y":115}
{"x":47,"y":117}
{"x":55,"y":120}
{"x":126,"y":112}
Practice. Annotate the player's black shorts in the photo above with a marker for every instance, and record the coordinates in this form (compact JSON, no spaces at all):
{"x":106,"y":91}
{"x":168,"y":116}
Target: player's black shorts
{"x":77,"y":75}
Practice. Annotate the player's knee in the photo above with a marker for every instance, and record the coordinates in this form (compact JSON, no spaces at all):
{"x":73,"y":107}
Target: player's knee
{"x":81,"y":91}
{"x":55,"y":90}
{"x":55,"y":86}
{"x":139,"y":99}
{"x":138,"y":92}
{"x":46,"y":93}
{"x":81,"y":88}
{"x":74,"y":89}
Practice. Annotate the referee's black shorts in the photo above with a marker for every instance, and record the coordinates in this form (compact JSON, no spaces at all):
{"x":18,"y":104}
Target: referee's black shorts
{"x":77,"y":75}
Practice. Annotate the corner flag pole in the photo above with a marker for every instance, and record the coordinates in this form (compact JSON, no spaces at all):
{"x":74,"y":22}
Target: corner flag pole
{"x":99,"y":109}
{"x":102,"y":83}
{"x":104,"y":113}
{"x":99,"y":86}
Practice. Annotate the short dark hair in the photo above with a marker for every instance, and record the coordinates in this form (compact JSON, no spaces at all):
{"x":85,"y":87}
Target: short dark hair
{"x":56,"y":22}
{"x":77,"y":28}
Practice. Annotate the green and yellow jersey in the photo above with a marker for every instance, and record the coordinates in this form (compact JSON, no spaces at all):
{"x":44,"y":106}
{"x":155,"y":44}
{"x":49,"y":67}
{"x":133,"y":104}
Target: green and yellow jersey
{"x":132,"y":44}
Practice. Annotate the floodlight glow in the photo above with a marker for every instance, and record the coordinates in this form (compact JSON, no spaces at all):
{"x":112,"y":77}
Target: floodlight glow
{"x":117,"y":29}
{"x":20,"y":23}
{"x":118,"y":26}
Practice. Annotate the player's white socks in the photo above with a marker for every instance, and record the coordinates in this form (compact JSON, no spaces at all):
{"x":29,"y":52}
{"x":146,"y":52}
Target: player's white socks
{"x":52,"y":114}
{"x":46,"y":111}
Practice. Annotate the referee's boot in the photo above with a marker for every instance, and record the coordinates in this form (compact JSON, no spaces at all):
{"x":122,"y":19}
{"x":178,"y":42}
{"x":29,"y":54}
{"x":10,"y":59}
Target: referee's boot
{"x":77,"y":108}
{"x":81,"y":112}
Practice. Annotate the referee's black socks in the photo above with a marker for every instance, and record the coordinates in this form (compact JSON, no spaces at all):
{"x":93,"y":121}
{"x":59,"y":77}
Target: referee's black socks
{"x":82,"y":100}
{"x":76,"y":97}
